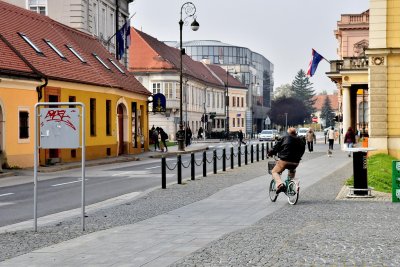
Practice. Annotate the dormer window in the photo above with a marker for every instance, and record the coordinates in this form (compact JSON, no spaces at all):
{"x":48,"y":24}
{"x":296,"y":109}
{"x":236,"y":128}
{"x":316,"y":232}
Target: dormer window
{"x":55,"y":49}
{"x":26,"y":39}
{"x":76,"y":53}
{"x":115,"y":65}
{"x":101,"y":61}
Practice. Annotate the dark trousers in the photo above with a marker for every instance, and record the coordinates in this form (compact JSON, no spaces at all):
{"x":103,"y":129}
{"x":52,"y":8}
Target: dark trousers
{"x":310,"y":146}
{"x":331,"y":143}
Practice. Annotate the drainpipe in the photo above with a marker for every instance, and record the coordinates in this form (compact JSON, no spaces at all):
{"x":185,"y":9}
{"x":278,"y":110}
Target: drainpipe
{"x":40,"y":87}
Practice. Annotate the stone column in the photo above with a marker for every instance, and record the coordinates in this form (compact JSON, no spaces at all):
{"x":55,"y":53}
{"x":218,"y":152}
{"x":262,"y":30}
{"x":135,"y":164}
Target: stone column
{"x":346,"y":105}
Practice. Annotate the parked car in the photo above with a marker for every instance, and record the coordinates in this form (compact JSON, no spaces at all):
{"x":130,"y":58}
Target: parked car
{"x":302,"y":131}
{"x":277,"y":134}
{"x":267,"y":135}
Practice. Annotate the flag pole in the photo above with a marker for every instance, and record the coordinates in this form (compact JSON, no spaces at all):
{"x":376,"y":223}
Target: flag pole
{"x":109,"y":39}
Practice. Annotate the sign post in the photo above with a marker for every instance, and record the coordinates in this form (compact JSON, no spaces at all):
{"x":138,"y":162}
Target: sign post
{"x":58,"y":128}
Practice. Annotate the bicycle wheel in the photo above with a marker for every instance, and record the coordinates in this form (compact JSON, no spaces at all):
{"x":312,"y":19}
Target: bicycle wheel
{"x":272,"y":191}
{"x":292,"y":193}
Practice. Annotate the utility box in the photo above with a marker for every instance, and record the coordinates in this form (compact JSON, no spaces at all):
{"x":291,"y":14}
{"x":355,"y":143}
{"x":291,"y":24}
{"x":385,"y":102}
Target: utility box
{"x":395,"y":181}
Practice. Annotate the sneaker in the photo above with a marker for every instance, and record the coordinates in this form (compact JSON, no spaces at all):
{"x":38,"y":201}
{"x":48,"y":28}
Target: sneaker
{"x":280,"y":188}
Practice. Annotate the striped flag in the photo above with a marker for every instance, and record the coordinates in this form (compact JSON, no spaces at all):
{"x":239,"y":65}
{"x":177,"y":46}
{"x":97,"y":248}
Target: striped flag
{"x":312,"y":67}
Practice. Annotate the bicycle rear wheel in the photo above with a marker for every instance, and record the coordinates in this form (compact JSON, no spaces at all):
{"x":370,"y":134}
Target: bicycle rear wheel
{"x":272,"y":191}
{"x":292,"y":193}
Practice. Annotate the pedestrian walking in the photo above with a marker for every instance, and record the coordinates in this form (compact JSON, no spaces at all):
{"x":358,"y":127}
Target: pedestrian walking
{"x":154,"y":136}
{"x":310,"y":137}
{"x":240,"y":136}
{"x":200,"y":133}
{"x":350,"y":139}
{"x":188,"y":136}
{"x":331,"y":139}
{"x":164,"y":137}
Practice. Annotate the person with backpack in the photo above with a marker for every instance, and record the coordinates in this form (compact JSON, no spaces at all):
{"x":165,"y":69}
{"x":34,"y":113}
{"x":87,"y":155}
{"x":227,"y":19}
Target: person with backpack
{"x":164,"y":137}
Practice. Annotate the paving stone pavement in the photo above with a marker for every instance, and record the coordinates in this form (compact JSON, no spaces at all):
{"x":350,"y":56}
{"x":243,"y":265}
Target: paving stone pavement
{"x":239,"y":226}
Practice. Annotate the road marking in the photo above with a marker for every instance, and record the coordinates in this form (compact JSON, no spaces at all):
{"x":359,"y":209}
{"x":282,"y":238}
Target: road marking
{"x":6,"y":194}
{"x":6,"y":203}
{"x":153,"y":167}
{"x":130,"y":173}
{"x":78,"y":181}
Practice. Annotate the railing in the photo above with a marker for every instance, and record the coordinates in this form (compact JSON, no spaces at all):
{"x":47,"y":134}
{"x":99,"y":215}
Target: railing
{"x":349,"y":63}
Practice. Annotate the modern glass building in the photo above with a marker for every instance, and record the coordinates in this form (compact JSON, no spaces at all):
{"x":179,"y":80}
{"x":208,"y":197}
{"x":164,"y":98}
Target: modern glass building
{"x":252,"y":69}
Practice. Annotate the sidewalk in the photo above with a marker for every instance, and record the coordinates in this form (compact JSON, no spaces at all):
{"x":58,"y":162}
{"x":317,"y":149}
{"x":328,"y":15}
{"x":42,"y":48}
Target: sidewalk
{"x":239,"y":226}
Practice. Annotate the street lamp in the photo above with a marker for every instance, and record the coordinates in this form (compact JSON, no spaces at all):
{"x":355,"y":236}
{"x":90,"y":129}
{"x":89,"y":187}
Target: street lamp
{"x":227,"y":102}
{"x":190,"y":11}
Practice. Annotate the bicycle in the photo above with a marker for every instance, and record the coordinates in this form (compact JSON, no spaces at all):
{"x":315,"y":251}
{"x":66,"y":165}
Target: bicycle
{"x":292,"y":187}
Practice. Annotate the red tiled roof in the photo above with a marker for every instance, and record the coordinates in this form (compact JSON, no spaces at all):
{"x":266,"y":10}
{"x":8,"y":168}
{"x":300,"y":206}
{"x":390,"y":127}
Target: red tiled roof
{"x":37,"y":28}
{"x":320,"y":100}
{"x":221,"y":73}
{"x":152,"y":55}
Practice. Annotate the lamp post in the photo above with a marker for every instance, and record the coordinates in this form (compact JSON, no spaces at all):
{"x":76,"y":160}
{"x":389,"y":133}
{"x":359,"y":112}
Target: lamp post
{"x":190,"y":10}
{"x":227,"y":103}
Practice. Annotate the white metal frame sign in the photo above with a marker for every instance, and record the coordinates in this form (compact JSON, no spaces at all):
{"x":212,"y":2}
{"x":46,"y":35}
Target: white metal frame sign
{"x":58,"y":128}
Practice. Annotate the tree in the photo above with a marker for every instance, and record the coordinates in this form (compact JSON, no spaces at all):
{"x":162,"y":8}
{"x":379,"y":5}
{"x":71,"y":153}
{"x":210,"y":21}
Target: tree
{"x":295,"y":109}
{"x":327,"y":113}
{"x":303,"y":90}
{"x":285,"y":90}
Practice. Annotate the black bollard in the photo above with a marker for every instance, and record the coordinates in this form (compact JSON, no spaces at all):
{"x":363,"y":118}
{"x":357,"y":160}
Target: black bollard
{"x":204,"y":164}
{"x":245,"y":155}
{"x":262,"y":151}
{"x":215,"y":161}
{"x":192,"y":167}
{"x":179,"y":168}
{"x":251,"y":154}
{"x":240,"y":156}
{"x":232,"y":162}
{"x":223,"y":159}
{"x":258,"y":152}
{"x":163,"y":173}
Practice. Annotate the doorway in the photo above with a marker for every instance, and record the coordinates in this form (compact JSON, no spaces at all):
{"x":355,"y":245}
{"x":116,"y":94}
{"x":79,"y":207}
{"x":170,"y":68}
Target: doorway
{"x":120,"y":114}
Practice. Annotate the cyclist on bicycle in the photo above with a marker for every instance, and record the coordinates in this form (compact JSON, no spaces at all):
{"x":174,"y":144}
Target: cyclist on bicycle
{"x":289,"y":149}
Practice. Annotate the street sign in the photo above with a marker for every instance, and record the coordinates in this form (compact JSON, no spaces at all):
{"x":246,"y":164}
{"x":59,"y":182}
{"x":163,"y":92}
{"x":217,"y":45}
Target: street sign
{"x":315,"y":119}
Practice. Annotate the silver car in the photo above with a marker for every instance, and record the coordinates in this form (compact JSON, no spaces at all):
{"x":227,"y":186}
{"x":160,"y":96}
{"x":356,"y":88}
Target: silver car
{"x":267,"y":135}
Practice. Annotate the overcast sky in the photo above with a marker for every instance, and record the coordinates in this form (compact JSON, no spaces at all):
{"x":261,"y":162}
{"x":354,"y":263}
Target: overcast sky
{"x":283,"y":31}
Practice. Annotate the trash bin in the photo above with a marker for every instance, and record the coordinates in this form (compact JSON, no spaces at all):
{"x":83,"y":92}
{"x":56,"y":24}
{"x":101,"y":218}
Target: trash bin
{"x":360,"y":172}
{"x":395,"y":181}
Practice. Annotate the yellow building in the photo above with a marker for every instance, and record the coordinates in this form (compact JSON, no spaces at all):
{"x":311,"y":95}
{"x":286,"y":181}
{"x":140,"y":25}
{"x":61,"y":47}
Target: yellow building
{"x":384,"y":76}
{"x":43,"y":60}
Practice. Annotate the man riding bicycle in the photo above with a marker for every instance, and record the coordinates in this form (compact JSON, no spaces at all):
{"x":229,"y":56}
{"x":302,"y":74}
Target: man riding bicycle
{"x":289,"y":149}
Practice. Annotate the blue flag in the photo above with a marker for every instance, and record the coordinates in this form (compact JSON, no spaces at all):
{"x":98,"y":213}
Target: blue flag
{"x":123,"y":39}
{"x":316,"y":58}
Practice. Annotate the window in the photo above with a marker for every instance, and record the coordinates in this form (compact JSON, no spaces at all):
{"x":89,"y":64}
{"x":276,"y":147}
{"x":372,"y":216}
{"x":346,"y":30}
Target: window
{"x":242,"y":122}
{"x":156,"y":88}
{"x":55,"y":49}
{"x":233,"y":122}
{"x":71,"y":99}
{"x":108,"y":117}
{"x":92,"y":117}
{"x":168,"y":89}
{"x":101,"y":61}
{"x":178,"y":90}
{"x":95,"y":19}
{"x":233,"y":101}
{"x":238,"y":122}
{"x":102,"y":23}
{"x":116,"y":66}
{"x":23,"y":124}
{"x":76,"y":54}
{"x":38,"y":6}
{"x":238,"y":102}
{"x":242,"y":101}
{"x":26,"y":39}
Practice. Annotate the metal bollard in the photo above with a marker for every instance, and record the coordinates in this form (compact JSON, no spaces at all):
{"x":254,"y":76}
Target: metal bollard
{"x":223,"y":159}
{"x":215,"y":161}
{"x":245,"y":155}
{"x":192,"y":167}
{"x":179,"y":168}
{"x":258,"y":152}
{"x":204,"y":164}
{"x":232,"y":162}
{"x":240,"y":156}
{"x":251,"y":154}
{"x":163,"y":173}
{"x":267,"y":148}
{"x":262,"y":151}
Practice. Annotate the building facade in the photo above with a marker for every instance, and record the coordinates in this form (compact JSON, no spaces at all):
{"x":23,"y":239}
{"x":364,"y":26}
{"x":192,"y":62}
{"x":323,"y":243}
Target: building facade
{"x":38,"y":66}
{"x":157,"y":67}
{"x":101,"y":18}
{"x":252,"y":69}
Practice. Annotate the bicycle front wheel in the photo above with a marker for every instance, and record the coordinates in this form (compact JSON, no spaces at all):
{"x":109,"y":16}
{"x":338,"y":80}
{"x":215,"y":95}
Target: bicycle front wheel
{"x":272,"y":191}
{"x":292,"y":193}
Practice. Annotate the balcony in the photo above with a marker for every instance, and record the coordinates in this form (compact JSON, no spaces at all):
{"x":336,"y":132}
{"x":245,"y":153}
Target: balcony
{"x":349,"y":63}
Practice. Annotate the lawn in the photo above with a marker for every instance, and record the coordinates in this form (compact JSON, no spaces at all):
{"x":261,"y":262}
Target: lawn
{"x":379,"y":173}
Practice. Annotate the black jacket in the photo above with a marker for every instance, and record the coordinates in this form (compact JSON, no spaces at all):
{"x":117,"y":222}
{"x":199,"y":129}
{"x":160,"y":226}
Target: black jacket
{"x":289,"y":148}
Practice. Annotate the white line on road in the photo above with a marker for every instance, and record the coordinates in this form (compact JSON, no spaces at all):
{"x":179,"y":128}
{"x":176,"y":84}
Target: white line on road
{"x":78,"y":181}
{"x":6,"y":194}
{"x":153,"y":167}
